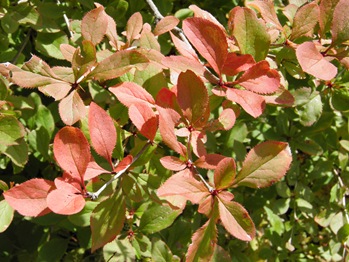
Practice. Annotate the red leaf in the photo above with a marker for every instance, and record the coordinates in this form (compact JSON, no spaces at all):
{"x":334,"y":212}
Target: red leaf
{"x":94,"y":25}
{"x":66,"y":199}
{"x":252,"y":103}
{"x":236,"y":220}
{"x":182,"y":64}
{"x":264,"y":165}
{"x":259,"y":78}
{"x":192,"y":96}
{"x":340,"y":23}
{"x":72,"y":151}
{"x":209,"y":161}
{"x":225,"y":121}
{"x":71,"y":108}
{"x":29,"y":198}
{"x":224,"y":174}
{"x":129,"y":93}
{"x":144,"y":118}
{"x":185,"y":49}
{"x":93,"y":170}
{"x":326,"y":15}
{"x":198,"y":12}
{"x":124,"y":163}
{"x":165,"y":24}
{"x":102,"y":132}
{"x":197,"y":142}
{"x":209,"y":39}
{"x":235,"y":64}
{"x":184,"y":184}
{"x":312,"y":62}
{"x":134,"y":26}
{"x":167,"y":99}
{"x":281,"y":97}
{"x":173,"y":163}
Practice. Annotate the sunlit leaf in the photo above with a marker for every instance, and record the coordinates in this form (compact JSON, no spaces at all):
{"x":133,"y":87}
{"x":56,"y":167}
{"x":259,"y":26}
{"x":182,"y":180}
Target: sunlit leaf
{"x":10,"y":130}
{"x":340,"y":23}
{"x":94,"y":25}
{"x":6,"y":215}
{"x":173,"y":163}
{"x":224,"y":174}
{"x":166,"y":24}
{"x":134,"y":26}
{"x":71,"y":108}
{"x":305,"y":20}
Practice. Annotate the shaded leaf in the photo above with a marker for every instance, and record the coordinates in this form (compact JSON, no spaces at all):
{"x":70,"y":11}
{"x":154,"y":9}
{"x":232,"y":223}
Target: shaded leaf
{"x":18,"y":153}
{"x":29,"y":198}
{"x":326,"y":15}
{"x":94,"y":25}
{"x":340,"y":23}
{"x":10,"y":130}
{"x":312,"y":110}
{"x":71,"y":108}
{"x":144,"y":118}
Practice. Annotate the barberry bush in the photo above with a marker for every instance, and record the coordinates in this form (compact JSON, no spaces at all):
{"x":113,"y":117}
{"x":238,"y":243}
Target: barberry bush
{"x":152,"y":131}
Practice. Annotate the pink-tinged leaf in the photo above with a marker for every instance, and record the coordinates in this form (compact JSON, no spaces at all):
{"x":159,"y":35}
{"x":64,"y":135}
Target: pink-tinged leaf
{"x":198,"y":12}
{"x":252,"y":103}
{"x":313,"y":63}
{"x":224,"y":174}
{"x":249,"y":32}
{"x":184,"y":48}
{"x":235,"y":64}
{"x":94,"y":25}
{"x":182,"y":64}
{"x":225,"y":121}
{"x":209,"y":161}
{"x":206,"y":205}
{"x":173,"y":163}
{"x":58,"y":90}
{"x":66,"y":199}
{"x":305,"y":20}
{"x":93,"y":170}
{"x":111,"y":32}
{"x":149,"y":41}
{"x":67,"y":51}
{"x":165,"y":24}
{"x":209,"y":39}
{"x":134,"y":27}
{"x":118,"y":64}
{"x":129,"y":93}
{"x":197,"y":142}
{"x":124,"y":163}
{"x":64,"y":73}
{"x":72,"y":151}
{"x":184,"y":184}
{"x":267,"y":10}
{"x":102,"y":132}
{"x":236,"y":220}
{"x":281,"y":97}
{"x":326,"y":15}
{"x":192,"y":96}
{"x":340,"y":23}
{"x":29,"y":198}
{"x":71,"y":108}
{"x":260,"y":79}
{"x":264,"y":165}
{"x":107,"y":219}
{"x":203,"y":243}
{"x":168,"y":119}
{"x":144,"y":118}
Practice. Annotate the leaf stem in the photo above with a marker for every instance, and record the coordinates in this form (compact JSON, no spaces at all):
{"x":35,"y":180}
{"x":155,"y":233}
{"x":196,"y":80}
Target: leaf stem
{"x":25,"y":42}
{"x":210,"y":189}
{"x":95,"y":195}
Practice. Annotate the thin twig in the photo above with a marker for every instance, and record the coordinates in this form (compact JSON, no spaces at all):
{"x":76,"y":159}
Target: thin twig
{"x":66,"y":21}
{"x":25,"y":42}
{"x":210,"y":189}
{"x":95,"y":195}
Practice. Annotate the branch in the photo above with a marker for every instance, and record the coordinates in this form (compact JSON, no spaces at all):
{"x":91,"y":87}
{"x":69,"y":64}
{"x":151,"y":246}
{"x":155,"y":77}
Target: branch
{"x":95,"y":195}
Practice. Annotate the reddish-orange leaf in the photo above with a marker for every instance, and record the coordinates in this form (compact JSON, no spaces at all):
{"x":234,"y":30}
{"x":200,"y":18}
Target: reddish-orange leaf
{"x":197,"y":142}
{"x":94,"y":25}
{"x":184,"y":184}
{"x":134,"y":26}
{"x":144,"y":118}
{"x":72,"y":151}
{"x":198,"y":12}
{"x":182,"y":64}
{"x":209,"y":39}
{"x":340,"y":22}
{"x":252,"y":103}
{"x":93,"y":170}
{"x":71,"y":108}
{"x":111,"y":32}
{"x":326,"y":15}
{"x":165,"y":24}
{"x":224,"y":174}
{"x":129,"y":93}
{"x":67,"y":51}
{"x":225,"y":121}
{"x":29,"y":198}
{"x":185,"y":49}
{"x":209,"y":161}
{"x":280,"y":97}
{"x":102,"y":132}
{"x":167,"y":99}
{"x":312,"y":62}
{"x":124,"y":163}
{"x":173,"y":163}
{"x":235,"y":64}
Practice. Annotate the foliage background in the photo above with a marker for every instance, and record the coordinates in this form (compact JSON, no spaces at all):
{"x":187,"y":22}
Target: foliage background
{"x":301,"y":218}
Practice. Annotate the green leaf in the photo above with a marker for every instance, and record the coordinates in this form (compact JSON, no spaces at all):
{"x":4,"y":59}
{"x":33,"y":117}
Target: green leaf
{"x":10,"y":130}
{"x":107,"y":220}
{"x":277,"y":224}
{"x":53,"y":250}
{"x":9,"y":24}
{"x":119,"y":250}
{"x":157,"y":218}
{"x":340,"y":99}
{"x":6,"y":215}
{"x":250,"y":34}
{"x":84,"y":59}
{"x":18,"y":153}
{"x":82,"y":219}
{"x":48,"y":44}
{"x":160,"y":252}
{"x":142,"y":245}
{"x":310,"y":112}
{"x":343,"y":233}
{"x":44,"y":118}
{"x":39,"y":140}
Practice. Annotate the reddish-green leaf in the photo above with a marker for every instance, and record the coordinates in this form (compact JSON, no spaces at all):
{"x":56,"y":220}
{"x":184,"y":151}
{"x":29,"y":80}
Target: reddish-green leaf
{"x":182,"y":64}
{"x":192,"y":96}
{"x":72,"y":151}
{"x":250,"y":33}
{"x":118,"y":64}
{"x":264,"y":165}
{"x":66,"y":199}
{"x":185,"y":49}
{"x":102,"y":132}
{"x":184,"y":184}
{"x":203,"y":243}
{"x":67,"y":51}
{"x":305,"y":20}
{"x":129,"y":93}
{"x":107,"y":219}
{"x":209,"y":39}
{"x":224,"y":174}
{"x":326,"y":14}
{"x":84,"y":59}
{"x":134,"y":26}
{"x":209,"y":161}
{"x":111,"y":32}
{"x":144,"y":118}
{"x":235,"y":64}
{"x":198,"y":12}
{"x":340,"y":22}
{"x":173,"y":163}
{"x":71,"y":108}
{"x":252,"y":103}
{"x":312,"y":62}
{"x":267,"y":10}
{"x":149,"y":41}
{"x":259,"y":78}
{"x":165,"y":24}
{"x":94,"y":25}
{"x":236,"y":220}
{"x":29,"y":198}
{"x":10,"y":131}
